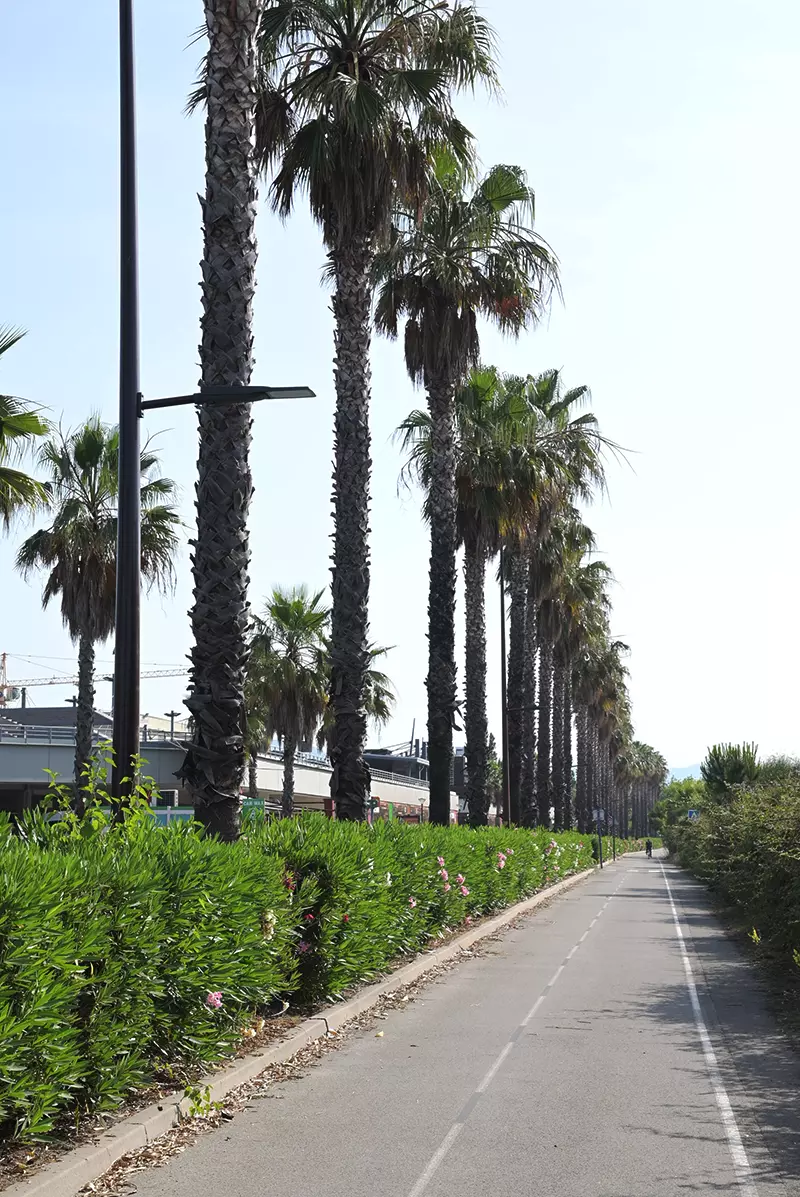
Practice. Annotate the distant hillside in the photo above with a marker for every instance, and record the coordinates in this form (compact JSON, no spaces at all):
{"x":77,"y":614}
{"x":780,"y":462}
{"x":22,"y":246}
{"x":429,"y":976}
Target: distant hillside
{"x":688,"y":771}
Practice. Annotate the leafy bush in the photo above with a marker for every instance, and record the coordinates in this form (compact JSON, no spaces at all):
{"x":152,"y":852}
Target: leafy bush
{"x":749,"y":851}
{"x":128,"y":951}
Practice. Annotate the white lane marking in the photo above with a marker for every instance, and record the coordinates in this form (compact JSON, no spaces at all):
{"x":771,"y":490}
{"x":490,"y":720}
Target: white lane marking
{"x":487,"y":1080}
{"x":436,"y":1159}
{"x":531,"y":1013}
{"x":455,"y":1130}
{"x":741,"y":1164}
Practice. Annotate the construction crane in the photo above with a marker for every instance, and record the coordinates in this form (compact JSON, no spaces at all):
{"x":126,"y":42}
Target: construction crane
{"x":10,"y":691}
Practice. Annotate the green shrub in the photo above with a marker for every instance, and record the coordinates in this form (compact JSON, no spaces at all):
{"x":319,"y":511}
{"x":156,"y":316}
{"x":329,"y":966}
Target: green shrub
{"x":748,"y":850}
{"x":116,"y":939}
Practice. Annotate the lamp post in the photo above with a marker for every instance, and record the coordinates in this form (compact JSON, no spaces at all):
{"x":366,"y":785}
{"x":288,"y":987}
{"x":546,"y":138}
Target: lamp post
{"x":128,"y":585}
{"x":131,"y":407}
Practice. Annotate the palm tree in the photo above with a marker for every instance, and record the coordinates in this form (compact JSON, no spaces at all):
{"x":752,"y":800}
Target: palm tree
{"x":78,"y":549}
{"x":289,"y":675}
{"x":355,"y":97}
{"x":465,"y":256}
{"x":494,"y":488}
{"x":379,"y":697}
{"x":577,"y":472}
{"x":19,"y":428}
{"x":215,"y":761}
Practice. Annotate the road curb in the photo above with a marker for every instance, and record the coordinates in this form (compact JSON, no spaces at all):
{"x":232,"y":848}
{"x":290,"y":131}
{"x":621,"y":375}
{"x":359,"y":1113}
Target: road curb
{"x":65,"y":1177}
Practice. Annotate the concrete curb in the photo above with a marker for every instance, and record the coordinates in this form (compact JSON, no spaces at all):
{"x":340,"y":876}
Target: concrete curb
{"x":64,"y":1177}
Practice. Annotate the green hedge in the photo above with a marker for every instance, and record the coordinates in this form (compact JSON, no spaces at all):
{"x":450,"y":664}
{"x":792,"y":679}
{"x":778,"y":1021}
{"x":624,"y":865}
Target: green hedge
{"x":114,"y":940}
{"x":748,"y":849}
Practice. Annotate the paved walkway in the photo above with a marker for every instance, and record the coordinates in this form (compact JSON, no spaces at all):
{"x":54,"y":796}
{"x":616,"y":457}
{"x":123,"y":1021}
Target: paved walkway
{"x":614,"y":1045}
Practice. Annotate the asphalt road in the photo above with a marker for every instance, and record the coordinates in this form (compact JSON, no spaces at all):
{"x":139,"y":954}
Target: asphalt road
{"x":615,"y":1044}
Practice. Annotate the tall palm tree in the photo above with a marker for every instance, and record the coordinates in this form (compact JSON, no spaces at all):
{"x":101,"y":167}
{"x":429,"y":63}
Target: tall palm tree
{"x":495,"y":488}
{"x":215,"y":761}
{"x":289,"y":674}
{"x":78,"y":549}
{"x":467,"y":254}
{"x":355,"y":97}
{"x":20,"y":426}
{"x":580,"y":472}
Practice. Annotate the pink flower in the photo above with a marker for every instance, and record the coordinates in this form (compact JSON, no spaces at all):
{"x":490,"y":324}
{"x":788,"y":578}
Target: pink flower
{"x":303,"y":946}
{"x":465,"y":891}
{"x":440,"y":861}
{"x":510,"y":852}
{"x":460,"y":879}
{"x":501,"y":860}
{"x":345,"y":918}
{"x":443,"y":874}
{"x":446,"y":888}
{"x":214,"y":1000}
{"x":288,"y":881}
{"x":468,"y":920}
{"x":309,"y":917}
{"x":412,"y":902}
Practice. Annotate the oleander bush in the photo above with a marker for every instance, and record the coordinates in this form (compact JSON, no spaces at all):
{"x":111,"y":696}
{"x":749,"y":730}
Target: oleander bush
{"x":129,"y":950}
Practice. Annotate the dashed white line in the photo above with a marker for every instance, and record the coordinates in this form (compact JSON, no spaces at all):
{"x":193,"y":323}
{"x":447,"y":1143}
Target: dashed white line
{"x":455,"y":1130}
{"x":741,"y":1164}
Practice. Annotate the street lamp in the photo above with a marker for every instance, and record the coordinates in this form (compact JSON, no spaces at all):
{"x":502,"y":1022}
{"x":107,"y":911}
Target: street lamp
{"x":131,"y":408}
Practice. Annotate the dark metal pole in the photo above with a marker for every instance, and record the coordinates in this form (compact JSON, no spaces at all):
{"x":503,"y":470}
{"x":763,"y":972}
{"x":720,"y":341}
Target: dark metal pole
{"x":503,"y":698}
{"x":599,"y":839}
{"x":126,"y":655}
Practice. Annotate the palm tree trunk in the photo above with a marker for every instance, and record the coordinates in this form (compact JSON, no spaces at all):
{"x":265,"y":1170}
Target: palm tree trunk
{"x":215,"y":762}
{"x":516,"y":675}
{"x":252,"y":776}
{"x":568,"y":811}
{"x":582,"y":787}
{"x":475,"y":722}
{"x":349,"y":644}
{"x":558,"y":775}
{"x":529,"y":688}
{"x":84,"y":717}
{"x":543,"y":777}
{"x":441,"y":679}
{"x":287,"y":798}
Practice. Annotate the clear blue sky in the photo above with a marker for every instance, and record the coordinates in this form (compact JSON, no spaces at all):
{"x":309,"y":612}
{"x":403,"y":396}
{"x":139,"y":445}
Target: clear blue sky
{"x":662,"y":143}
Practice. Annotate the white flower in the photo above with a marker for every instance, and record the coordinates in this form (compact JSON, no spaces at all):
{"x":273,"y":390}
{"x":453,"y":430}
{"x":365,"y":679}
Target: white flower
{"x":388,"y":878}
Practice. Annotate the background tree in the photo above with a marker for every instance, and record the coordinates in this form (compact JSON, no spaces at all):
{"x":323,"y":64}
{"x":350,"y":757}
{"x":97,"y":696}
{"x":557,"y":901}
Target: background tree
{"x":215,"y":761}
{"x":354,"y":99}
{"x":467,"y":255}
{"x":78,"y":550}
{"x":288,"y":674}
{"x":728,"y":765}
{"x":20,"y":426}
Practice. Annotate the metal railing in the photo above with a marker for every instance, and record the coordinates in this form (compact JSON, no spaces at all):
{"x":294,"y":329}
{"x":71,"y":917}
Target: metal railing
{"x":19,"y":733}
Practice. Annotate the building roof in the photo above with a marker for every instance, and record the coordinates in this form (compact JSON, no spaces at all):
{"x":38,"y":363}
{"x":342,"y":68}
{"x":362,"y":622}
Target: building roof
{"x":49,"y":716}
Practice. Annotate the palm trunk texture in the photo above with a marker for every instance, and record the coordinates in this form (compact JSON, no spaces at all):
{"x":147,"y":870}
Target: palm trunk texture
{"x":543,"y":778}
{"x":287,"y":798}
{"x":568,"y":810}
{"x":215,"y":762}
{"x":582,"y":774}
{"x":475,"y":721}
{"x":529,"y":695}
{"x":441,"y":679}
{"x":516,"y":673}
{"x":252,"y":776}
{"x":559,"y":770}
{"x":84,"y":717}
{"x":349,"y":644}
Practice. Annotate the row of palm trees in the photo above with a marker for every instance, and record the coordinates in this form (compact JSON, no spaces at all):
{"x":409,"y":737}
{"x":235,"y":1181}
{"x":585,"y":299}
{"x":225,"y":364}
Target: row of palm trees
{"x":350,"y":104}
{"x":524,"y":456}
